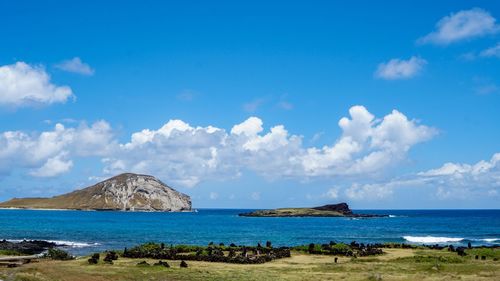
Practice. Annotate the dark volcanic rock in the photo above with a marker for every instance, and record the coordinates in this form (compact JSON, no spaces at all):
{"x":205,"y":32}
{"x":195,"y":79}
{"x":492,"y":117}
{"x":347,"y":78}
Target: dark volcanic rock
{"x":28,"y":247}
{"x":341,"y":208}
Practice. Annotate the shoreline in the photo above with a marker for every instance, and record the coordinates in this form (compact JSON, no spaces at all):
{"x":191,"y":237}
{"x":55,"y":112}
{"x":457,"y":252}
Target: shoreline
{"x":98,"y":210}
{"x":354,"y":209}
{"x":45,"y":244}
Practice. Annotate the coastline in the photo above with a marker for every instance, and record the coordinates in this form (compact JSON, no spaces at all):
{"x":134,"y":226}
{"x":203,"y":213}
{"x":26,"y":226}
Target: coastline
{"x":224,"y":225}
{"x":97,"y":210}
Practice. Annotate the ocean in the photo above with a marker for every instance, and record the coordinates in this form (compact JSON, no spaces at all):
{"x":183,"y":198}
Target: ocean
{"x":90,"y":231}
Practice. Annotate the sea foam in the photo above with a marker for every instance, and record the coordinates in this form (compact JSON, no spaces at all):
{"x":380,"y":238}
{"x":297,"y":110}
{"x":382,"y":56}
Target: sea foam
{"x":71,"y":244}
{"x":490,"y":240}
{"x":431,"y":239}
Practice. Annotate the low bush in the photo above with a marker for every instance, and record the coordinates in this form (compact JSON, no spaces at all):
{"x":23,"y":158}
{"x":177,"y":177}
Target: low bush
{"x":58,"y":254}
{"x":211,"y":253}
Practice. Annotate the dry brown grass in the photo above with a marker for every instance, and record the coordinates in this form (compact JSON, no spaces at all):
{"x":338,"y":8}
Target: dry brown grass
{"x":397,"y":264}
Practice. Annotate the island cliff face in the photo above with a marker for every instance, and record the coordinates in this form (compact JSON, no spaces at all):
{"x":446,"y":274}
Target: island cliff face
{"x":123,"y":192}
{"x":332,"y":210}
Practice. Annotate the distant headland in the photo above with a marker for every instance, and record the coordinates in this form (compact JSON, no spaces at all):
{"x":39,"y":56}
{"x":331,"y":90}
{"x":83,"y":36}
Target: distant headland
{"x":331,"y":210}
{"x":125,"y":192}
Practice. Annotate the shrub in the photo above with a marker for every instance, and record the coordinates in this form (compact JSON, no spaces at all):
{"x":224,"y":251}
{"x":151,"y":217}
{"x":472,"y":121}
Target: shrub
{"x":94,"y":259}
{"x":111,"y":256}
{"x":58,"y":254}
{"x":311,"y":247}
{"x":162,"y":263}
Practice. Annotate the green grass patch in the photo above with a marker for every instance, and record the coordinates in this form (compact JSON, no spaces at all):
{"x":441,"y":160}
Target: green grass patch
{"x":10,"y":253}
{"x":489,"y":253}
{"x":432,"y":259}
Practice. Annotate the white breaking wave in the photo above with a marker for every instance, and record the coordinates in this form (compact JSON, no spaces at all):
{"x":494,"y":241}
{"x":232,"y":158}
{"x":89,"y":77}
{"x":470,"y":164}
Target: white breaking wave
{"x":490,"y":240}
{"x":71,"y":244}
{"x":431,"y":239}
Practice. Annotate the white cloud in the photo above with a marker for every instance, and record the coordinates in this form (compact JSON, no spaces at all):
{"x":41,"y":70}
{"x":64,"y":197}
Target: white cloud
{"x":48,"y":153}
{"x":178,"y":152}
{"x":463,"y":25}
{"x":491,"y":52}
{"x":368,"y":191}
{"x":25,"y":85}
{"x":400,"y":69}
{"x":463,"y":181}
{"x":185,"y":155}
{"x":53,"y":166}
{"x":75,"y":65}
{"x":449,"y":182}
{"x":367,"y":145}
{"x":479,"y":168}
{"x":332,"y":193}
{"x":250,"y":127}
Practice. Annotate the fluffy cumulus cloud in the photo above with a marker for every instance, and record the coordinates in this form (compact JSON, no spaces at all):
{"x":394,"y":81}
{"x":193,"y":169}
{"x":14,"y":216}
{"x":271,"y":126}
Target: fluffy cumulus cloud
{"x":367,"y":145}
{"x":460,"y":180}
{"x":185,"y":155}
{"x":53,"y":166}
{"x":24,"y":85}
{"x":463,"y":25}
{"x":449,"y":182}
{"x":178,"y":152}
{"x":400,"y":69}
{"x":75,"y":65}
{"x":49,"y":153}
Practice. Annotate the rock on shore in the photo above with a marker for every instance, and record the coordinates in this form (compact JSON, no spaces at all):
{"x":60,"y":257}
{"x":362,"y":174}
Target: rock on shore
{"x":28,"y":247}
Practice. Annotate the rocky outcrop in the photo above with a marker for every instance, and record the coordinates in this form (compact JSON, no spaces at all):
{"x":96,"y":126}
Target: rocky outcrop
{"x":126,"y":192}
{"x":26,"y":247}
{"x":342,"y":208}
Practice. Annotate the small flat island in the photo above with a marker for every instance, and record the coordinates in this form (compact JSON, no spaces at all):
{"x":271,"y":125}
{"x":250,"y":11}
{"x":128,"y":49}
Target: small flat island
{"x":331,"y":210}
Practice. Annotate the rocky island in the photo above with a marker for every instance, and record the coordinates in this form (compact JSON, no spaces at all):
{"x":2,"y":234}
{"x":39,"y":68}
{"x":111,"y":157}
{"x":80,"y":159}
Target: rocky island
{"x":331,"y":210}
{"x":125,"y":192}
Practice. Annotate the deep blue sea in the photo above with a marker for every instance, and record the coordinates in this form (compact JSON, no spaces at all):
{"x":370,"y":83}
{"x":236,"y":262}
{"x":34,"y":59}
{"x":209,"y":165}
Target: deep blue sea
{"x":90,"y":231}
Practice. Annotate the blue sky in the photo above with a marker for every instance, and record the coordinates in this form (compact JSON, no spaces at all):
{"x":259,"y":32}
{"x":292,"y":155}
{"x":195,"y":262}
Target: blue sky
{"x":78,"y":79}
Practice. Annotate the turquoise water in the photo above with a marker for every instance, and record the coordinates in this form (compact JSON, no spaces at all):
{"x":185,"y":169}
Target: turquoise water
{"x":92,"y":231}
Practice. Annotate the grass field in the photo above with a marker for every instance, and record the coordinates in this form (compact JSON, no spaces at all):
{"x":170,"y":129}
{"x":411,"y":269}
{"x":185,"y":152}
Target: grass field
{"x":396,"y":264}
